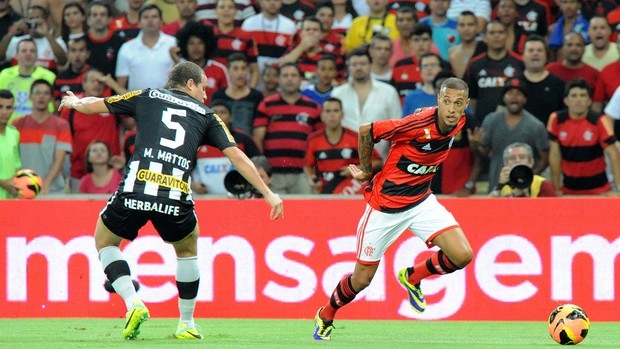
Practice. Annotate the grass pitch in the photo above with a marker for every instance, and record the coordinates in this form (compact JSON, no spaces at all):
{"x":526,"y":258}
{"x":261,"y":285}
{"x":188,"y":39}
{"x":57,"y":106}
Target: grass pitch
{"x":296,"y":334}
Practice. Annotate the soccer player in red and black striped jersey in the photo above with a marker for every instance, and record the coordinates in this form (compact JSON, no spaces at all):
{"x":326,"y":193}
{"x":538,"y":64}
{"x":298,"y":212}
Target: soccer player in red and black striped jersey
{"x":331,"y":151}
{"x":173,"y":123}
{"x":579,"y":140}
{"x":400,"y":198}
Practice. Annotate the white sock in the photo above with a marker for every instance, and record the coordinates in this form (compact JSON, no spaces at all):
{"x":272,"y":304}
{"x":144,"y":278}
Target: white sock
{"x":187,"y":271}
{"x":123,"y":285}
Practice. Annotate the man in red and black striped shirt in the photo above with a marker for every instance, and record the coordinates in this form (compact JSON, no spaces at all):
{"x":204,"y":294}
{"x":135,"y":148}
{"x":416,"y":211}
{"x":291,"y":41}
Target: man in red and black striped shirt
{"x":579,"y":140}
{"x":400,"y":198}
{"x":281,"y":129}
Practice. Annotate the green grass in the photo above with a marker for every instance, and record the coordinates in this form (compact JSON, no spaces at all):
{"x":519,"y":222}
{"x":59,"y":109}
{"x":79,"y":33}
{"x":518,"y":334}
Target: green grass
{"x":296,"y":334}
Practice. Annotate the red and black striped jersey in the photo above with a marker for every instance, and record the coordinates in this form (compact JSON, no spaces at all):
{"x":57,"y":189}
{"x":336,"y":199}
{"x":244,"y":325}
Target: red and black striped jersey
{"x":330,"y":43}
{"x":309,"y":64}
{"x":298,"y":10}
{"x":235,"y":41}
{"x":418,"y":148}
{"x":68,"y":80}
{"x":206,"y":10}
{"x":582,"y":142}
{"x":406,"y":77}
{"x":329,"y":159}
{"x":288,"y":127}
{"x":272,"y":37}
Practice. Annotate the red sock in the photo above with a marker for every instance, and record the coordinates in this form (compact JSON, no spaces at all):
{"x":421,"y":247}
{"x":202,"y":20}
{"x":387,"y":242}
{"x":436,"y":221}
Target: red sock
{"x":343,"y":294}
{"x":438,"y":263}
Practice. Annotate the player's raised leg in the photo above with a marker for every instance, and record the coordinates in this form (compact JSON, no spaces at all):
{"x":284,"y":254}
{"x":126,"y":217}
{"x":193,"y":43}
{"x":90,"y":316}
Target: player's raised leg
{"x":188,"y":280}
{"x":117,"y":270}
{"x":344,"y":293}
{"x":454,"y":254}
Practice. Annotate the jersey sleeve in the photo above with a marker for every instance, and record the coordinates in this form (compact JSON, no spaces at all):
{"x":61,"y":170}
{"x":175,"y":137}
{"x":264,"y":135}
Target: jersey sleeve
{"x":606,"y":132}
{"x":552,"y":127}
{"x":218,"y":135}
{"x":261,"y":119}
{"x":125,"y":104}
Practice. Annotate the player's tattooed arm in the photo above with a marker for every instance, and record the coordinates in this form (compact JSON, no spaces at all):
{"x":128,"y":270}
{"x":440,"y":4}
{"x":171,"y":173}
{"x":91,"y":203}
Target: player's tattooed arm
{"x":366,"y":145}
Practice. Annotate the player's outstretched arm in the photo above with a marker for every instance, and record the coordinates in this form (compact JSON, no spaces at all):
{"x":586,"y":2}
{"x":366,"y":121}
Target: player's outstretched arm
{"x":86,"y":105}
{"x":247,"y":169}
{"x":365,"y":147}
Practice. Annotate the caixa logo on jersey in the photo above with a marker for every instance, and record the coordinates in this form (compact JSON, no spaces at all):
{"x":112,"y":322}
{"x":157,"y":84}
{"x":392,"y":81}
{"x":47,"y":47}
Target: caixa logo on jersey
{"x":406,"y":165}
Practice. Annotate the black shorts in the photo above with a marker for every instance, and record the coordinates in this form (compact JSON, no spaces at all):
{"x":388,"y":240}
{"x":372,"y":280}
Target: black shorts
{"x":126,"y":213}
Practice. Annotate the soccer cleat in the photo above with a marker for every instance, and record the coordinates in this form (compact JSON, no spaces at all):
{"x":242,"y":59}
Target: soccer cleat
{"x":134,"y":318}
{"x":184,"y":332}
{"x":322,"y":328}
{"x":416,"y":298}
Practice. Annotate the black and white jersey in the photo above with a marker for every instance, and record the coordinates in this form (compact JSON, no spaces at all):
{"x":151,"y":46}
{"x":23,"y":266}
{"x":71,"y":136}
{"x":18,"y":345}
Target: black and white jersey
{"x":171,"y":127}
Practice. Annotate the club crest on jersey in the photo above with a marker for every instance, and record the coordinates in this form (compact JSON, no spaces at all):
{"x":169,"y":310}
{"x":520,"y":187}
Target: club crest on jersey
{"x":346,"y":153}
{"x":302,"y":118}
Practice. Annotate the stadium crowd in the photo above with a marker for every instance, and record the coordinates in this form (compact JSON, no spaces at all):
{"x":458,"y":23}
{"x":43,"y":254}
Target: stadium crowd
{"x":296,"y":78}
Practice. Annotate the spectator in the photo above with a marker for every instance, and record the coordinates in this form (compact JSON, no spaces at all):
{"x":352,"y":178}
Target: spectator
{"x":591,"y":8}
{"x":600,"y":52}
{"x":8,"y":17}
{"x":508,"y":14}
{"x":514,"y":124}
{"x":18,"y":79}
{"x":613,"y":107}
{"x":51,"y":52}
{"x":343,"y":16}
{"x":297,"y":10}
{"x":430,"y":66}
{"x":521,"y":154}
{"x":309,"y":51}
{"x":211,"y":164}
{"x":580,"y":139}
{"x":481,"y":9}
{"x":270,"y":79}
{"x":380,"y":51}
{"x":128,"y":24}
{"x":488,"y":72}
{"x":534,"y":16}
{"x":187,"y":12}
{"x":608,"y":82}
{"x":9,"y":147}
{"x":406,"y":74}
{"x":363,"y":28}
{"x":142,"y":62}
{"x":326,"y":73}
{"x":264,"y":170}
{"x":272,"y":32}
{"x":242,"y":99}
{"x":331,"y":151}
{"x":570,"y":21}
{"x":444,"y":28}
{"x":103,"y":43}
{"x":73,"y":22}
{"x":331,"y":40}
{"x":368,"y":100}
{"x":458,"y":174}
{"x":206,"y":11}
{"x":102,"y":177}
{"x":195,"y":45}
{"x":54,"y":7}
{"x":544,"y":89}
{"x":613,"y":18}
{"x":230,"y":38}
{"x":460,"y":54}
{"x":406,"y":20}
{"x":284,"y":138}
{"x":71,"y":79}
{"x":45,"y":139}
{"x":571,"y":66}
{"x":86,"y":128}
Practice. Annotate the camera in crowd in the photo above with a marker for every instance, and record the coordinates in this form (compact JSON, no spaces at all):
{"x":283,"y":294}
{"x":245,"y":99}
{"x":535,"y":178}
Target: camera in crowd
{"x":520,"y":177}
{"x":239,"y":187}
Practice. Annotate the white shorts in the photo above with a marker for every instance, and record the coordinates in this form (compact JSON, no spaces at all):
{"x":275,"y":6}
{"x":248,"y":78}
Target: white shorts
{"x":377,"y":230}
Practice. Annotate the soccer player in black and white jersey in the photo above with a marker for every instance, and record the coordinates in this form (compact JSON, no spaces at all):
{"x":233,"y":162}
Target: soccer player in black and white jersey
{"x":172,"y":124}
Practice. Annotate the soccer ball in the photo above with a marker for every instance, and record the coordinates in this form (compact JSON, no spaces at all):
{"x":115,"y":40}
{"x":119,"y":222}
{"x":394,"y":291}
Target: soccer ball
{"x":28,"y":184}
{"x":568,"y":324}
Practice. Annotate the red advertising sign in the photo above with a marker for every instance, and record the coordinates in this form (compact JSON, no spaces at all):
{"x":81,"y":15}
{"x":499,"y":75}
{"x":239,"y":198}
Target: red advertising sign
{"x":530,"y":256}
